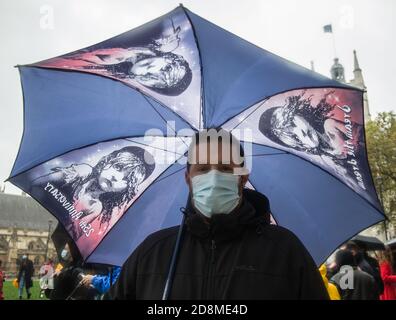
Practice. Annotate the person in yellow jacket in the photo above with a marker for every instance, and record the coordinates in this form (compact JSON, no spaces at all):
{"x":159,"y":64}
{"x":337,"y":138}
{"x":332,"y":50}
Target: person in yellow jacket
{"x":331,"y":288}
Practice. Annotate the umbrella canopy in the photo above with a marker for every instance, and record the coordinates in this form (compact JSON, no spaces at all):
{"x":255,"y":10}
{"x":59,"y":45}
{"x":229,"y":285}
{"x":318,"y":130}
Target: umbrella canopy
{"x":369,"y":243}
{"x":99,"y":149}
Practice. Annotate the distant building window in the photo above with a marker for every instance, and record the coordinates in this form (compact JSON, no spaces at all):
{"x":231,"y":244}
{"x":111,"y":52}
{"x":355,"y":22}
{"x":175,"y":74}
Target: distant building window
{"x":31,"y":245}
{"x":3,"y":244}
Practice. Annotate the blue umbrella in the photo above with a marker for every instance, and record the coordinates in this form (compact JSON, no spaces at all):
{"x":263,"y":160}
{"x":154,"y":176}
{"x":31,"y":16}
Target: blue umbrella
{"x":100,"y":151}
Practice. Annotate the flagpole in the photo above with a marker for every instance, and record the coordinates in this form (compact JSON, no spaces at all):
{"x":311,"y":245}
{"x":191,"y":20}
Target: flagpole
{"x":334,"y":45}
{"x":329,"y":29}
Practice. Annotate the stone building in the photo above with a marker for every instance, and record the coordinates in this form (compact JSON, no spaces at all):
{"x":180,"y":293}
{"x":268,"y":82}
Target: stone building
{"x":24,"y":230}
{"x":337,"y":72}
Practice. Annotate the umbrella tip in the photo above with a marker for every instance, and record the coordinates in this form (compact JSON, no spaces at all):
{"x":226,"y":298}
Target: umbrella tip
{"x":181,"y":5}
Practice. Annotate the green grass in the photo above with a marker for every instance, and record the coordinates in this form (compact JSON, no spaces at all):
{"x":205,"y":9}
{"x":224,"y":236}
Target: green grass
{"x":11,"y":293}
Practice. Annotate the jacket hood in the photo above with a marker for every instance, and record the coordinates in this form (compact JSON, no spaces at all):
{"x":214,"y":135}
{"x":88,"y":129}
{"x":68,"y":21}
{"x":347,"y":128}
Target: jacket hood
{"x":323,"y":270}
{"x":260,"y":203}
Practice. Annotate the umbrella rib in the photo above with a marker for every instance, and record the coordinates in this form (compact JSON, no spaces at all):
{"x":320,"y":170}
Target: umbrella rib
{"x":288,"y":152}
{"x":202,"y":97}
{"x":339,"y":244}
{"x":126,"y":210}
{"x":160,"y":115}
{"x":79,"y":148}
{"x":279,"y":57}
{"x":284,"y":91}
{"x":255,"y":109}
{"x":329,"y":173}
{"x":59,"y":69}
{"x":160,"y":179}
{"x":265,"y":154}
{"x":144,"y":144}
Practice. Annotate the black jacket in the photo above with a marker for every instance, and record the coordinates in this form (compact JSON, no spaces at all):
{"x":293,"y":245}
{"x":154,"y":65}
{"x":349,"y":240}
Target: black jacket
{"x":364,"y":286}
{"x":376,"y":273}
{"x":237,"y":256}
{"x":27,"y":270}
{"x":67,"y":282}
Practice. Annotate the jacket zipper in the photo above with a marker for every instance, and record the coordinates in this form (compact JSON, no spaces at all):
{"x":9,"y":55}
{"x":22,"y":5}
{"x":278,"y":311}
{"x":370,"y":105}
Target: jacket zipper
{"x":210,"y":284}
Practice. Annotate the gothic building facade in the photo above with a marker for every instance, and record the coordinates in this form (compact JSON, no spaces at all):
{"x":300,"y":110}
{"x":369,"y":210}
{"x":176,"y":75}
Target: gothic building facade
{"x":338,"y":73}
{"x":25,"y":229}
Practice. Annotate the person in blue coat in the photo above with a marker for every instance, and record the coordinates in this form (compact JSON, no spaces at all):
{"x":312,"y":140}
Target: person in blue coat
{"x":102,"y":283}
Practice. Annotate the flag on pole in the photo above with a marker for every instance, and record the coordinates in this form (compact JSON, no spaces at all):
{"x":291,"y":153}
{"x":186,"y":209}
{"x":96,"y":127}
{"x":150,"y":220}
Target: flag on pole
{"x":328,"y":28}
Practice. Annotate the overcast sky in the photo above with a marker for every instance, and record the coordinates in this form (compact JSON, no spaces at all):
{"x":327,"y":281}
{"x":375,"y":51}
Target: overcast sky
{"x":292,"y":29}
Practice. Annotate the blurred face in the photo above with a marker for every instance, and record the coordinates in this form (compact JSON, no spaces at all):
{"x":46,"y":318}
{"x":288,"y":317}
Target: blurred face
{"x":215,"y":180}
{"x":112,"y":179}
{"x":149,"y":65}
{"x":212,"y":158}
{"x":157,"y":72}
{"x":298,"y":134}
{"x":65,"y":254}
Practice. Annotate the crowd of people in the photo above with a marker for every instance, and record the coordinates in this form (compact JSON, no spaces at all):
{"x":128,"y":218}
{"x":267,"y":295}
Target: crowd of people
{"x":67,"y":280}
{"x":355,"y":275}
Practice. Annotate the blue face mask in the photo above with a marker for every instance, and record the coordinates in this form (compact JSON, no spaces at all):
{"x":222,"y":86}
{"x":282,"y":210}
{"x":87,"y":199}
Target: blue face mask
{"x":215,"y":192}
{"x":64,"y":254}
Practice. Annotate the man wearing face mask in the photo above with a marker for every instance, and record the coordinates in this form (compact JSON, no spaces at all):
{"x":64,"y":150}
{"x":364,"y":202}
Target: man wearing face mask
{"x":64,"y":281}
{"x":229,"y":249}
{"x":68,"y":279}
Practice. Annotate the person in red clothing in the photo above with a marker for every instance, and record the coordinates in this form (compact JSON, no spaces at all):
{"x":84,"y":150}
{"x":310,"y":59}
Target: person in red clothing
{"x":2,"y":279}
{"x":387,"y":275}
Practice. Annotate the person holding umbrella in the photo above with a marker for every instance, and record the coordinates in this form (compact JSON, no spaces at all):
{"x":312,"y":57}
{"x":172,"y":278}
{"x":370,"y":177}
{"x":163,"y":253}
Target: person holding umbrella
{"x":109,"y":188}
{"x":229,"y":250}
{"x":2,"y":279}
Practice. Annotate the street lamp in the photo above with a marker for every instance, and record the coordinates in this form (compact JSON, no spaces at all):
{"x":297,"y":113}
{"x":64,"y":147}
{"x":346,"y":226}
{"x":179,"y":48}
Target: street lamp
{"x":49,"y":232}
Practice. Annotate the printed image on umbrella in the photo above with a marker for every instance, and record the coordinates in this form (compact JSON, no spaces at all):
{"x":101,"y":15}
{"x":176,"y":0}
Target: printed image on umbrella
{"x":99,"y":149}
